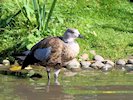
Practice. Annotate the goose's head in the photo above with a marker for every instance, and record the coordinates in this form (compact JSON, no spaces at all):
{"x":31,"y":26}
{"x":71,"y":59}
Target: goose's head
{"x":71,"y":34}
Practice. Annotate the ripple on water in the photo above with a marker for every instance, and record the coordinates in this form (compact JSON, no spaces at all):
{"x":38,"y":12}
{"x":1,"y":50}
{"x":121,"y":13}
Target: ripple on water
{"x":83,"y":86}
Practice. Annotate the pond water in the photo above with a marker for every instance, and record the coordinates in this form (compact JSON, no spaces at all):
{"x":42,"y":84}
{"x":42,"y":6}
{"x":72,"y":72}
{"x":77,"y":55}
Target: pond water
{"x":86,"y":85}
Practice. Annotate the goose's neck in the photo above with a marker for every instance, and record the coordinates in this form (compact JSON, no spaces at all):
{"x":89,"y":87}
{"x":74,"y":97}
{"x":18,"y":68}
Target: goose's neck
{"x":68,"y":40}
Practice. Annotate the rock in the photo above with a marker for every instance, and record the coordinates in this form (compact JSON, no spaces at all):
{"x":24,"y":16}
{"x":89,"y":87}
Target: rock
{"x":93,"y":52}
{"x":28,"y":67}
{"x":109,"y":62}
{"x":84,"y":56}
{"x":85,"y":64}
{"x":120,"y":67}
{"x":107,"y":67}
{"x":97,"y":65}
{"x":130,"y":61}
{"x":121,"y":62}
{"x":129,"y":67}
{"x":1,"y":65}
{"x":73,"y":64}
{"x":98,"y":58}
{"x":130,"y":57}
{"x":6,"y":62}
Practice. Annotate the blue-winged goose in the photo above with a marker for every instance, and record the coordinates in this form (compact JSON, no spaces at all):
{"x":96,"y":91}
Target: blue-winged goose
{"x":54,"y":52}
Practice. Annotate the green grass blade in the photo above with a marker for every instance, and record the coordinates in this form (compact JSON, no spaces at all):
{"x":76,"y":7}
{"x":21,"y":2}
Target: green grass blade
{"x":43,"y":14}
{"x":6,"y":21}
{"x":50,"y":14}
{"x":36,"y":9}
{"x":24,"y":9}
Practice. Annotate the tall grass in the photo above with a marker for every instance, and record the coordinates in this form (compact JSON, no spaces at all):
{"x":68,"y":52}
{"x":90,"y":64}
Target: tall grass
{"x":36,"y":10}
{"x":23,"y":23}
{"x":37,"y":16}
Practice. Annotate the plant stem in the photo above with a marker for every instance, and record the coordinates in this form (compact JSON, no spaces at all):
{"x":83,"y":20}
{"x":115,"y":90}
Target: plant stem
{"x":49,"y":15}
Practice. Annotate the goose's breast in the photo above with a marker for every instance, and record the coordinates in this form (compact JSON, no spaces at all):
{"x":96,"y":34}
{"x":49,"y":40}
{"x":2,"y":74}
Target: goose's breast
{"x":70,"y":51}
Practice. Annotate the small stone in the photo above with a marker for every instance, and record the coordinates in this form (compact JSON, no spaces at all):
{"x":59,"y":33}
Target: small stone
{"x":1,"y":65}
{"x":73,"y":64}
{"x":93,"y":52}
{"x":120,"y":67}
{"x":6,"y":62}
{"x":107,"y":67}
{"x":97,"y":65}
{"x":110,"y":62}
{"x":84,"y":56}
{"x":28,"y":67}
{"x":129,"y":67}
{"x":121,"y":62}
{"x":85,"y":64}
{"x":98,"y":58}
{"x":130,"y":61}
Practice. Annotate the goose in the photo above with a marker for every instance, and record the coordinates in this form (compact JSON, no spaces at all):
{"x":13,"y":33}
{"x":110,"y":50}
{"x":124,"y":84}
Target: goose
{"x":54,"y":52}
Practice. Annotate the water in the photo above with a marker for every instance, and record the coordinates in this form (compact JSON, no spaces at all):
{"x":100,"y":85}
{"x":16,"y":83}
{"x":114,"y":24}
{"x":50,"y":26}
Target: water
{"x":83,"y":86}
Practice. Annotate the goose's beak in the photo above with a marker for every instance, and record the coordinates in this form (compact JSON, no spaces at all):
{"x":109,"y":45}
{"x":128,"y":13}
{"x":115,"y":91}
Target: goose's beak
{"x":80,"y":36}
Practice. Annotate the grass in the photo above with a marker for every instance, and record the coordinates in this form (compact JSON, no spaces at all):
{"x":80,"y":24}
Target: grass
{"x":106,"y":24}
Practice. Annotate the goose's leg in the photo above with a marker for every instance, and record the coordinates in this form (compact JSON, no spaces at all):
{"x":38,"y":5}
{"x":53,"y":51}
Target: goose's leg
{"x":56,"y":73}
{"x":48,"y":74}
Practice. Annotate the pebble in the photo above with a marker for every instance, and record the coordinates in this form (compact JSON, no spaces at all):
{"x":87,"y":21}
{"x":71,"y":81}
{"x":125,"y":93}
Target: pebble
{"x":85,"y":64}
{"x":120,"y":62}
{"x":110,"y":62}
{"x":129,"y":67}
{"x":84,"y":56}
{"x":93,"y":52}
{"x":130,"y":61}
{"x":97,"y":65}
{"x":28,"y":67}
{"x":73,"y":64}
{"x":6,"y":62}
{"x":1,"y":65}
{"x":107,"y":67}
{"x":98,"y":58}
{"x":120,"y":67}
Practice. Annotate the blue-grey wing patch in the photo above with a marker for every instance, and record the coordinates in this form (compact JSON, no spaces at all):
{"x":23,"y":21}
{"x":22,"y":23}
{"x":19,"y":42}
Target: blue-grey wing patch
{"x":42,"y":53}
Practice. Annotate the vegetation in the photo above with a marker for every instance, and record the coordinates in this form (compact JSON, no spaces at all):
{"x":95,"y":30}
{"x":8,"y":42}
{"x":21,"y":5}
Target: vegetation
{"x":106,"y":24}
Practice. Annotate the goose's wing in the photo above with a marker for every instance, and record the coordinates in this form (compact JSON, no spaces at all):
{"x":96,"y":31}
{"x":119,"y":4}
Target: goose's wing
{"x":40,"y":50}
{"x":49,"y":49}
{"x":42,"y":54}
{"x":41,"y":44}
